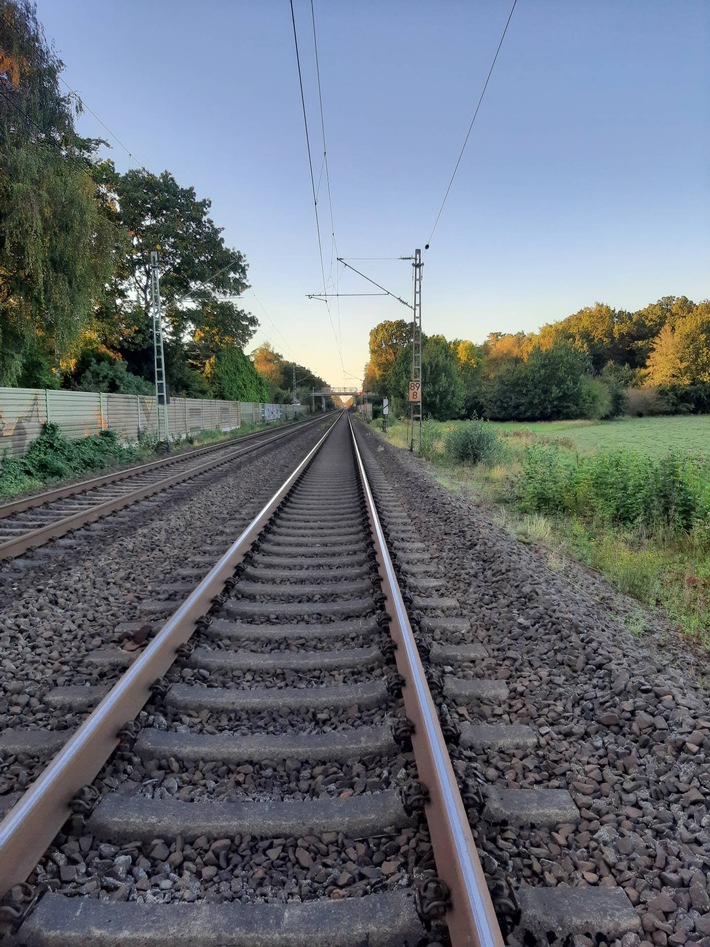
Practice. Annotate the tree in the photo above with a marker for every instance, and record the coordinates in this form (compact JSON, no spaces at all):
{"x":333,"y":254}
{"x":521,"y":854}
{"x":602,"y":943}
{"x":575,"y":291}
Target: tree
{"x":269,"y":364}
{"x":200,"y":277}
{"x":442,"y":387}
{"x":56,"y":240}
{"x":232,"y":376}
{"x":664,"y":363}
{"x":553,"y":387}
{"x":470,"y":363}
{"x":504,"y":392}
{"x":387,"y":340}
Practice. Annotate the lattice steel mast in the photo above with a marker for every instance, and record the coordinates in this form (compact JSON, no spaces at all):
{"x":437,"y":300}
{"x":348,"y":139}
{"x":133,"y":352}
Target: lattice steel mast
{"x":415,"y":384}
{"x":161,"y":391}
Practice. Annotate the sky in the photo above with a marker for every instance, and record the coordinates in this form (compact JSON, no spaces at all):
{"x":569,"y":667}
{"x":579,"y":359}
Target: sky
{"x":585,"y":178}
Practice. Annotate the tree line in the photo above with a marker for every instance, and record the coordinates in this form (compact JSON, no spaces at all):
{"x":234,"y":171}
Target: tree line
{"x":76,"y":237}
{"x":599,"y":362}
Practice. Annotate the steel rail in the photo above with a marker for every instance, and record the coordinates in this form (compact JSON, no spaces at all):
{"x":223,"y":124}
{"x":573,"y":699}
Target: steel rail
{"x":137,"y":470}
{"x":471,"y":919}
{"x":12,"y":548}
{"x":29,"y":827}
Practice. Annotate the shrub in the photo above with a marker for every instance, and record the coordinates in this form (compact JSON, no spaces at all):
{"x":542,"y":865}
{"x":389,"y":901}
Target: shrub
{"x":473,"y":442}
{"x":645,"y":402}
{"x":14,"y":478}
{"x":615,"y":487}
{"x":596,"y":400}
{"x":52,"y":456}
{"x":432,"y":437}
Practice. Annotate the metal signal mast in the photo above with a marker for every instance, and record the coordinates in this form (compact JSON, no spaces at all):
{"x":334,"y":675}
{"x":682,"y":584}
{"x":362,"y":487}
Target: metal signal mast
{"x":161,"y":391}
{"x":415,"y":384}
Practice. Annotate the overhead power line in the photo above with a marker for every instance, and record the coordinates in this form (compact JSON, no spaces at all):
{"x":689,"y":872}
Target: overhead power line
{"x":310,"y":166}
{"x":470,"y":127}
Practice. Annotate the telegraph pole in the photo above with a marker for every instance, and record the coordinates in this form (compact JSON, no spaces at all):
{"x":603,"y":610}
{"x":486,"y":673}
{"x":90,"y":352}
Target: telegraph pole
{"x":415,"y":384}
{"x":294,"y":382}
{"x":161,"y":391}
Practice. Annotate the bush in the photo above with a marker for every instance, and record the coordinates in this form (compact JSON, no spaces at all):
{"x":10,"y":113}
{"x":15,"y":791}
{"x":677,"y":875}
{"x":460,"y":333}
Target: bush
{"x":596,"y":400}
{"x":53,"y":457}
{"x":473,"y":442}
{"x":14,"y":478}
{"x":646,"y":402}
{"x":615,"y":487}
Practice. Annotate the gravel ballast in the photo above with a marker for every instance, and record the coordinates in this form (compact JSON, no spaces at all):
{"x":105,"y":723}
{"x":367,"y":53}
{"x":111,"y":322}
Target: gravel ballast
{"x":622,"y":723}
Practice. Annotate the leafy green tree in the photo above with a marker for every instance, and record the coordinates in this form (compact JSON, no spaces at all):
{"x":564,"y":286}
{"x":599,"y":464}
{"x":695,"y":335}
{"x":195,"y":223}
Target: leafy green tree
{"x":200,"y":277}
{"x":470,"y":361}
{"x":504,"y":393}
{"x":56,"y":240}
{"x":442,"y":385}
{"x":553,"y":387}
{"x":100,"y":371}
{"x":387,"y":340}
{"x":232,"y":376}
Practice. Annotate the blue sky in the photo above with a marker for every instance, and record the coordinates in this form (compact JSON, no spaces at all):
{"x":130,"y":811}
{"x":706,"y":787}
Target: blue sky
{"x":586,"y":176}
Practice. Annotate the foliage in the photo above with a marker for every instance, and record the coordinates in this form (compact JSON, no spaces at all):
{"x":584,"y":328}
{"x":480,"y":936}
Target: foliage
{"x":441,"y":382}
{"x":201,"y":278}
{"x":56,"y":239}
{"x":595,"y":398}
{"x":598,"y":363}
{"x":646,"y":402}
{"x":615,"y":487}
{"x":232,"y":376}
{"x":98,"y":371}
{"x":279,"y":375}
{"x":473,"y":443}
{"x":52,"y":456}
{"x":387,"y":340}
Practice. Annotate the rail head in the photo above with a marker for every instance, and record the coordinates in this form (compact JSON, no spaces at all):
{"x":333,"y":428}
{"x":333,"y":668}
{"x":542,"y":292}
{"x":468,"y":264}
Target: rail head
{"x":471,"y":919}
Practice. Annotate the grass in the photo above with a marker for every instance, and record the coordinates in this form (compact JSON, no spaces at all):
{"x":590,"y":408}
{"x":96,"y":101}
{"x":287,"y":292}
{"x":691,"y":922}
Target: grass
{"x":629,"y":498}
{"x":651,"y":436}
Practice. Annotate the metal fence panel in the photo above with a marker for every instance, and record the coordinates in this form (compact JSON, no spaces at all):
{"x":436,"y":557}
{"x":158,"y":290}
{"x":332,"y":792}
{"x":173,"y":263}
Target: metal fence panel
{"x":78,"y":413}
{"x":23,"y":411}
{"x":121,"y":413}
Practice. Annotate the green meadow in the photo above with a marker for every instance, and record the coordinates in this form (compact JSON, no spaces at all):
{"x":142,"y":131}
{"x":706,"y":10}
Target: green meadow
{"x":629,"y":498}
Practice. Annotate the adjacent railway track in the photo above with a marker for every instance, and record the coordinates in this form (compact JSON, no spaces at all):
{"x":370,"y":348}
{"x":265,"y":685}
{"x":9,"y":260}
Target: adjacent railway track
{"x":32,"y":521}
{"x":278,"y":764}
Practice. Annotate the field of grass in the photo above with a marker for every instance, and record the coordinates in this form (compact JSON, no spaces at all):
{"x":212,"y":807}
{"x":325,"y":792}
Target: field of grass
{"x":630,"y":498}
{"x":652,"y":436}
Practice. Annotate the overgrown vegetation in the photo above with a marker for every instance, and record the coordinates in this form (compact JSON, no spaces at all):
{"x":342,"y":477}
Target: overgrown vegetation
{"x":52,"y":456}
{"x":472,"y":443}
{"x":640,"y":516}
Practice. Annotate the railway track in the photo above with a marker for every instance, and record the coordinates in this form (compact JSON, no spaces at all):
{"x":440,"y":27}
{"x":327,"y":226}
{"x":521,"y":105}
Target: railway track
{"x":278,"y":771}
{"x":35,"y":520}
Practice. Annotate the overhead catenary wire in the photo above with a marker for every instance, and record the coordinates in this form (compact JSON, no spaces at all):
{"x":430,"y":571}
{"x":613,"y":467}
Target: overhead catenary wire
{"x":470,"y":127}
{"x":313,"y":183}
{"x":334,"y":244}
